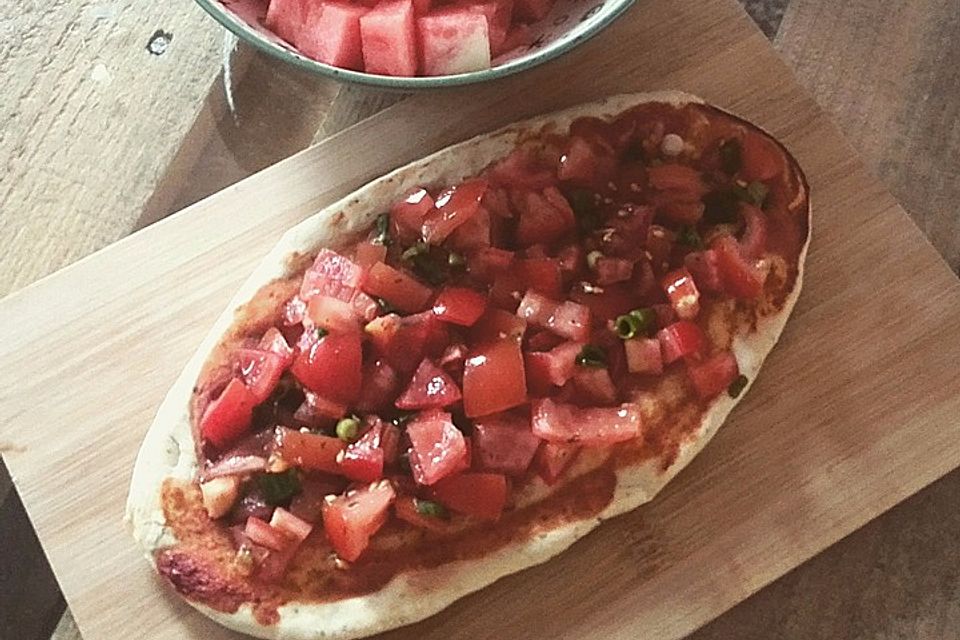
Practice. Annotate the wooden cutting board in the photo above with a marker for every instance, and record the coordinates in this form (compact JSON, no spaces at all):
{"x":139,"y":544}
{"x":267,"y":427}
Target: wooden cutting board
{"x":855,"y":410}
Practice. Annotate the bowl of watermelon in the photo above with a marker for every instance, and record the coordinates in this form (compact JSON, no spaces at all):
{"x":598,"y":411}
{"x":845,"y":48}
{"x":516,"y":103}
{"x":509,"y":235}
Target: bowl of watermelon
{"x":410,"y":44}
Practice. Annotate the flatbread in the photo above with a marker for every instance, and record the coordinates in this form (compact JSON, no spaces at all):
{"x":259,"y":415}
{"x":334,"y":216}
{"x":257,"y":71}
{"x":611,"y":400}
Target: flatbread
{"x":169,"y":450}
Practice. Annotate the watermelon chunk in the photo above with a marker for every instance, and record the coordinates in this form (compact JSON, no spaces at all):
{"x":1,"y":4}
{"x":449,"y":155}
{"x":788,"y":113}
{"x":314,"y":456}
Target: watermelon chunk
{"x":285,"y":18}
{"x":389,"y":38}
{"x":331,"y":34}
{"x":498,"y":14}
{"x":454,"y":40}
{"x":532,"y":10}
{"x":421,"y":7}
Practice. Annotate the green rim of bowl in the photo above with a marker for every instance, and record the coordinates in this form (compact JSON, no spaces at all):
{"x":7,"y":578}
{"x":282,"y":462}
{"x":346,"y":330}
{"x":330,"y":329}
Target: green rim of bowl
{"x":246,"y":33}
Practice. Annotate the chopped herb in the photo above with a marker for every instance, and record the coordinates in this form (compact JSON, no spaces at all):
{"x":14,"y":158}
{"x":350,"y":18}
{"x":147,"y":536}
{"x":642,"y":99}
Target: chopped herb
{"x":688,"y":236}
{"x":382,"y":228}
{"x":430,"y":508}
{"x":592,"y":356}
{"x":456,"y":260}
{"x":627,"y":326}
{"x":384,"y":306}
{"x":730,"y":156}
{"x":348,"y":428}
{"x":737,"y":386}
{"x":593,"y":257}
{"x":721,"y":207}
{"x":321,"y":332}
{"x":757,"y":193}
{"x":278,"y":488}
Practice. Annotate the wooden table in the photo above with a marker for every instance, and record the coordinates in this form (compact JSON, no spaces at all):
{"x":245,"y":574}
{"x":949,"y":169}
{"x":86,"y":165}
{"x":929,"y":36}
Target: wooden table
{"x":159,"y":125}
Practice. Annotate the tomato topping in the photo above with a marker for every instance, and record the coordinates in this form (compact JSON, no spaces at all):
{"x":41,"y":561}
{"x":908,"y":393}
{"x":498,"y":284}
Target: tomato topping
{"x":363,"y":460}
{"x":317,"y":411}
{"x":754,"y":241}
{"x":613,"y":270}
{"x":553,"y":459}
{"x":683,"y":212}
{"x":409,"y":509}
{"x":568,"y":319}
{"x":295,"y":528}
{"x":643,"y":355}
{"x":430,"y":388}
{"x":540,"y":274}
{"x":332,"y":314}
{"x":408,"y":214}
{"x":351,"y":520}
{"x":681,"y":339}
{"x":228,"y":417}
{"x":481,"y":495}
{"x":310,"y":451}
{"x":493,"y":378}
{"x":472,"y":235}
{"x":713,"y":375}
{"x":497,"y":324}
{"x":682,"y":293}
{"x":660,"y":246}
{"x":404,"y":342}
{"x":370,"y":253}
{"x":330,"y":365}
{"x":260,"y":371}
{"x":547,"y":369}
{"x":486,"y":263}
{"x":595,"y":385}
{"x":259,"y":532}
{"x":402,"y":291}
{"x":544,"y":217}
{"x":459,"y":305}
{"x":331,"y":275}
{"x":761,"y":159}
{"x":704,"y":268}
{"x":590,"y":427}
{"x":379,"y":387}
{"x":677,"y":177}
{"x":453,"y":207}
{"x":521,"y":169}
{"x":740,"y":278}
{"x":274,"y":342}
{"x":438,"y":446}
{"x":504,"y":444}
{"x":584,"y":164}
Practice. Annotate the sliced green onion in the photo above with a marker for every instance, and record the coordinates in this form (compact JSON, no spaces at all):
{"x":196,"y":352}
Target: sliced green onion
{"x":430,"y":508}
{"x":627,"y":326}
{"x":757,"y":193}
{"x":348,"y":429}
{"x":382,"y":227}
{"x":321,"y":332}
{"x":384,"y":306}
{"x":278,"y":488}
{"x":737,"y":386}
{"x":592,"y":356}
{"x":689,"y":237}
{"x":730,"y":156}
{"x":646,"y":321}
{"x":593,"y":257}
{"x":456,"y":260}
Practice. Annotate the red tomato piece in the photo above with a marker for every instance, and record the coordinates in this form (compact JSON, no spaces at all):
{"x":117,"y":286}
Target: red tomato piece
{"x":677,"y":177}
{"x":584,"y":164}
{"x":289,"y":524}
{"x":613,"y":270}
{"x":293,"y":311}
{"x":493,"y":378}
{"x":406,"y":509}
{"x":682,"y":293}
{"x":643,"y":355}
{"x":363,"y":460}
{"x":559,"y":363}
{"x":487,"y":262}
{"x":369,"y":253}
{"x":544,"y":217}
{"x":285,"y":18}
{"x":453,"y":40}
{"x":330,"y":366}
{"x":704,"y":268}
{"x":571,"y":321}
{"x":591,"y":427}
{"x":615,"y":300}
{"x":453,"y":207}
{"x":571,"y":259}
{"x":681,"y":339}
{"x":438,"y":446}
{"x":761,"y":159}
{"x":430,"y":388}
{"x":521,"y":169}
{"x":389,"y":39}
{"x":274,"y":342}
{"x":754,"y":241}
{"x":497,"y":324}
{"x":380,"y":386}
{"x":228,"y":417}
{"x":331,"y":34}
{"x":553,"y":459}
{"x":683,"y":212}
{"x":542,"y":275}
{"x":713,"y":375}
{"x":504,"y":444}
{"x":396,"y":287}
{"x":404,"y":342}
{"x":472,"y":235}
{"x":537,"y":309}
{"x":351,"y":520}
{"x":481,"y":495}
{"x":331,"y":274}
{"x":665,"y":314}
{"x":309,"y":451}
{"x":260,"y":371}
{"x":332,"y":314}
{"x":317,"y":411}
{"x":408,"y":214}
{"x":740,"y":278}
{"x":261,"y":533}
{"x":460,"y":305}
{"x":660,"y":246}
{"x":595,"y":386}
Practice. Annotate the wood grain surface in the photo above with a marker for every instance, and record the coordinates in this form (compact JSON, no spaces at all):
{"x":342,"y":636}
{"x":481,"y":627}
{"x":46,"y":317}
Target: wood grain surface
{"x":830,"y":448}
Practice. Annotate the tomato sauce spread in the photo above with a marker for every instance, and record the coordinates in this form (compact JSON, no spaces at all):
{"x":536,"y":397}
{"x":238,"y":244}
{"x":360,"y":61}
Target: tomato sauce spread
{"x":474,"y":370}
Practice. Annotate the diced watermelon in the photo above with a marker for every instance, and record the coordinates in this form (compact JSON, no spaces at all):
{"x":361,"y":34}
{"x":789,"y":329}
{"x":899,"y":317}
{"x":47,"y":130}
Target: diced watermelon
{"x":532,"y":10}
{"x":389,"y":39}
{"x":285,"y":18}
{"x":498,"y":14}
{"x":454,"y":40}
{"x":331,"y":34}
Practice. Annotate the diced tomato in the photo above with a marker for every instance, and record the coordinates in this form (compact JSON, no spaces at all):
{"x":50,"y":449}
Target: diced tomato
{"x":683,"y":212}
{"x":259,"y":532}
{"x":704,"y":268}
{"x":379,"y":387}
{"x":571,"y":320}
{"x":331,"y":274}
{"x":331,"y":34}
{"x":754,"y":241}
{"x":228,"y":417}
{"x":681,"y":339}
{"x":682,"y":293}
{"x":460,"y":305}
{"x":314,"y":488}
{"x":493,"y":378}
{"x":504,"y":443}
{"x":740,"y":278}
{"x":430,"y":388}
{"x":472,"y":235}
{"x":557,"y":365}
{"x":274,"y":342}
{"x":291,"y":525}
{"x":455,"y":206}
{"x":351,"y":520}
{"x":260,"y":371}
{"x":713,"y":375}
{"x":404,"y":342}
{"x":761,"y":159}
{"x":332,"y":314}
{"x":309,"y":451}
{"x":615,"y":300}
{"x":677,"y":177}
{"x":595,"y":385}
{"x":541,"y":274}
{"x":660,"y":246}
{"x":396,"y":287}
{"x":497,"y":13}
{"x":370,"y":253}
{"x":406,"y":509}
{"x":497,"y":324}
{"x":613,"y":270}
{"x":584,"y":164}
{"x":536,"y":309}
{"x":553,"y":459}
{"x":389,"y":37}
{"x":481,"y":495}
{"x":453,"y":40}
{"x":317,"y":411}
{"x":438,"y":446}
{"x":520,"y":169}
{"x":571,"y":259}
{"x":408,"y":214}
{"x":519,"y":35}
{"x":665,"y":314}
{"x":285,"y":18}
{"x":590,"y":427}
{"x":643,"y":355}
{"x":486,"y":263}
{"x":363,"y":460}
{"x":330,"y":366}
{"x":390,"y":442}
{"x":544,"y":217}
